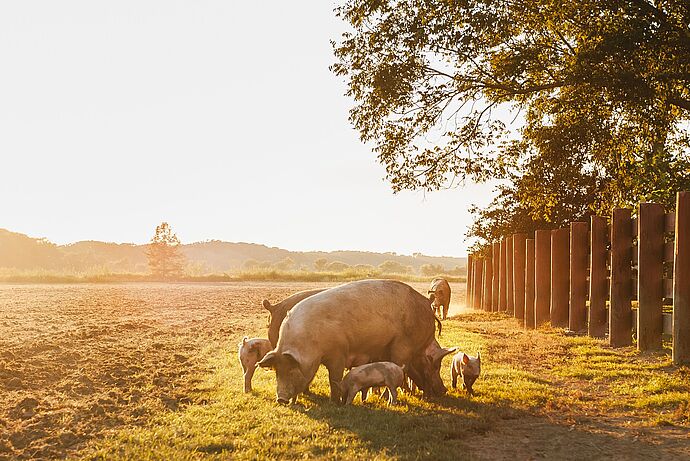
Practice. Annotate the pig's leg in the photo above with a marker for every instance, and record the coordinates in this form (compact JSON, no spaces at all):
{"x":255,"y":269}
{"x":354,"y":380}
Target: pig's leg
{"x":247,"y":372}
{"x":335,"y":375}
{"x":365,"y":394}
{"x":393,"y":395}
{"x":386,"y":394}
{"x":351,"y":394}
{"x":453,"y":375}
{"x":445,"y":310}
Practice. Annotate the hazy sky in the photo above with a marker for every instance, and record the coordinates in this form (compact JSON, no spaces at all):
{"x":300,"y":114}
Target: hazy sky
{"x":219,"y":117}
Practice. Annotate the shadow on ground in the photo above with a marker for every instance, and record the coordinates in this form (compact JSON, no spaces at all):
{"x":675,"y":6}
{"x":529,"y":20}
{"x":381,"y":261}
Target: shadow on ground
{"x":462,"y":428}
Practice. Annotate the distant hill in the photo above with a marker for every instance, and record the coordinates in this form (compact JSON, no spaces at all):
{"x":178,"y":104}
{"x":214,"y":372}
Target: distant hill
{"x":19,"y":251}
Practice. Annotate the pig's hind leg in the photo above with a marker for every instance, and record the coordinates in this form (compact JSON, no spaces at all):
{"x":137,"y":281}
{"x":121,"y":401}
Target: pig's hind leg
{"x":392,"y":396}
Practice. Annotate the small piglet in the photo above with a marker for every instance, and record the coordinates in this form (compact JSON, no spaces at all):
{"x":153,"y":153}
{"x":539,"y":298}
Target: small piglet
{"x":375,"y":374}
{"x":467,"y":367}
{"x":250,"y":352}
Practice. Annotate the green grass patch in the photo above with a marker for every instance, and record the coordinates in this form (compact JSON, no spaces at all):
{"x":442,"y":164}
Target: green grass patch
{"x":524,"y":374}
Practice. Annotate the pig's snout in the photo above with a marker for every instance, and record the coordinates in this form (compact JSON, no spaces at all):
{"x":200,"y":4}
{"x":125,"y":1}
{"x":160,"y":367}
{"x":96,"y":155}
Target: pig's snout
{"x":282,"y":401}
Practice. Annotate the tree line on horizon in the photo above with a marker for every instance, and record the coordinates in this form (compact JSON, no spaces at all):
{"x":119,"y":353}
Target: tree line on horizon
{"x":21,"y":255}
{"x":389,"y":267}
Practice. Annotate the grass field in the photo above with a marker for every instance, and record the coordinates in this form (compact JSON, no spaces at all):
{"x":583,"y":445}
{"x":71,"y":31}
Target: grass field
{"x":149,"y":371}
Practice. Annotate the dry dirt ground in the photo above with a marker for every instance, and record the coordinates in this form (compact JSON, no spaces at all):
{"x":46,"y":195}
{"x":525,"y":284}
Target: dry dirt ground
{"x":80,"y":361}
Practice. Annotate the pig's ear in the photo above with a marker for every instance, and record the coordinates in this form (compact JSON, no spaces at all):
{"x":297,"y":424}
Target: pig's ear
{"x":465,"y":359}
{"x":432,"y":296}
{"x":479,"y":357}
{"x":291,"y":357}
{"x":269,"y":361}
{"x":449,"y":350}
{"x":443,"y":352}
{"x":267,"y":305}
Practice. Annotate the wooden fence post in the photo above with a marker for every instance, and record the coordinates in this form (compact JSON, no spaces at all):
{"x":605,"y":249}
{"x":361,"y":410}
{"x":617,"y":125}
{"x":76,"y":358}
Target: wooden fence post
{"x":510,"y":304}
{"x":560,"y":278}
{"x":542,"y":276}
{"x":579,"y":252}
{"x":496,"y":260}
{"x":529,"y":283}
{"x":468,"y":282}
{"x":519,"y":275}
{"x":503,"y":280}
{"x":650,"y":275}
{"x":597,"y":277}
{"x":477,"y":280}
{"x":471,"y":292}
{"x":620,"y":308}
{"x":488,"y":282}
{"x":681,"y":282}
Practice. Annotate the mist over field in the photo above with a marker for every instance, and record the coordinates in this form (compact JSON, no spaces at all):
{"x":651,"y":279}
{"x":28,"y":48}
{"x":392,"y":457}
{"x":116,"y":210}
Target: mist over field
{"x":21,"y":252}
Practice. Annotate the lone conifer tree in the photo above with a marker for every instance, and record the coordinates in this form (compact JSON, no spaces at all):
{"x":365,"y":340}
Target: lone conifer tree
{"x":165,"y":259}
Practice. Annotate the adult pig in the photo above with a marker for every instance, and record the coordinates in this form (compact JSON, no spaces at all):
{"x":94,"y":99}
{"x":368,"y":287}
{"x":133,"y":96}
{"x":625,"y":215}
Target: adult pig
{"x":351,"y":325}
{"x":430,"y":359}
{"x":439,"y":292}
{"x":278,"y":312}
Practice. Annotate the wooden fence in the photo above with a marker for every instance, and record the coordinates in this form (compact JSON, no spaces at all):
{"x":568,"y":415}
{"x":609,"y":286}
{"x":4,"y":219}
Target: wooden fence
{"x":586,"y":277}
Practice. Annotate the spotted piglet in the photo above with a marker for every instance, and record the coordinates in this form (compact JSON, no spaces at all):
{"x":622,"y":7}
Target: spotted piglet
{"x":250,"y":352}
{"x":376,"y":374}
{"x":466,"y":366}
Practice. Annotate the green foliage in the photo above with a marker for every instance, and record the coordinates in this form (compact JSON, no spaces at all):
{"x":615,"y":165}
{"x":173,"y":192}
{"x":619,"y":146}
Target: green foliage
{"x":432,"y":269}
{"x":284,"y":264}
{"x":394,"y":267}
{"x":320,"y":264}
{"x":337,"y":266}
{"x":165,"y":259}
{"x":602,"y":91}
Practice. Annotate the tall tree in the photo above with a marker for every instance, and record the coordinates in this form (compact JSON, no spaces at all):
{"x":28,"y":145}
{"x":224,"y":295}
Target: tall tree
{"x":165,"y":258}
{"x":600,"y":89}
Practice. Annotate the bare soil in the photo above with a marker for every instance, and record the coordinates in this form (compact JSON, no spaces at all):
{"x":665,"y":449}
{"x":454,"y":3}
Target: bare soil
{"x":80,"y":360}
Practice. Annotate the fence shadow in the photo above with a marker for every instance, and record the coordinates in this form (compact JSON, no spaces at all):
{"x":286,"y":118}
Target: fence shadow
{"x":457,"y":427}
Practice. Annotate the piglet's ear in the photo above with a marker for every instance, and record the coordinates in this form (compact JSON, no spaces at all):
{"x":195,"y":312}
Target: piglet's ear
{"x":479,"y":357}
{"x":269,"y":361}
{"x":465,"y":359}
